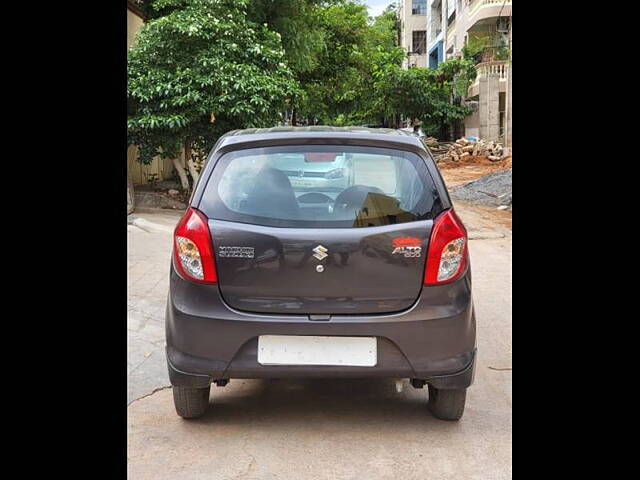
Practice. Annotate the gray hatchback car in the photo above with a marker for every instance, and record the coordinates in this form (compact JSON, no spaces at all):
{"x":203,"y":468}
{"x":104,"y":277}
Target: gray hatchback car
{"x":320,"y":252}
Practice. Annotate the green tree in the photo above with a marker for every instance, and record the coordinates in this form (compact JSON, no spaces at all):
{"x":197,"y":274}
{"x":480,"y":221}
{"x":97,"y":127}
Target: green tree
{"x":339,"y":90}
{"x":485,"y":47}
{"x":298,"y":23}
{"x":359,"y":77}
{"x":199,"y":69}
{"x":430,"y":96}
{"x":331,"y":89}
{"x":385,"y":28}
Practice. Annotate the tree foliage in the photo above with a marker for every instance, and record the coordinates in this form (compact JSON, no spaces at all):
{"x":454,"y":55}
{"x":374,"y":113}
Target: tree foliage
{"x":332,"y":88}
{"x":359,"y":78}
{"x":485,"y":47}
{"x":199,"y":69}
{"x":203,"y":67}
{"x":339,"y":90}
{"x":299,"y":26}
{"x":430,"y":96}
{"x":386,"y":28}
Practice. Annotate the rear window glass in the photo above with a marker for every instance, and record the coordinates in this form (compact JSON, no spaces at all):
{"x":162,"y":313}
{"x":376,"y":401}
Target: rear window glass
{"x":320,"y":186}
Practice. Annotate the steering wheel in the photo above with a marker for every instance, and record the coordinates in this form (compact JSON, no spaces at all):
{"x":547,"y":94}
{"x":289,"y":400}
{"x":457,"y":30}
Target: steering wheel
{"x":314,"y":197}
{"x":355,"y":195}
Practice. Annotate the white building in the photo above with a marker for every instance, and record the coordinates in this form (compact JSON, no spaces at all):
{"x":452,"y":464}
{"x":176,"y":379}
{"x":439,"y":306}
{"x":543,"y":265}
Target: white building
{"x":435,"y":32}
{"x":412,"y":15}
{"x":488,"y":21}
{"x":449,"y":25}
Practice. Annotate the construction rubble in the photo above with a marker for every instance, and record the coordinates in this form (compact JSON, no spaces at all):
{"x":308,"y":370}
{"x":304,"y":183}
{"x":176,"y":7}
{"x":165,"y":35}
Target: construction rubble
{"x":463,"y":147}
{"x":493,"y":190}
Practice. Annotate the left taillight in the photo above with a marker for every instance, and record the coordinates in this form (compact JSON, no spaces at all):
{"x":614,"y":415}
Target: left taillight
{"x":193,"y":248}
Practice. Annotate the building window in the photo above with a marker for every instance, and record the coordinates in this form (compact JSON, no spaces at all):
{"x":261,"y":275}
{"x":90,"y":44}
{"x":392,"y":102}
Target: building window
{"x":419,"y":7}
{"x":451,"y":7}
{"x":451,"y":11}
{"x":420,"y":42}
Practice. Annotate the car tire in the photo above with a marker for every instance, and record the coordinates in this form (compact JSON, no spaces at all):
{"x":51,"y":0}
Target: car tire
{"x":191,"y":402}
{"x":447,"y":404}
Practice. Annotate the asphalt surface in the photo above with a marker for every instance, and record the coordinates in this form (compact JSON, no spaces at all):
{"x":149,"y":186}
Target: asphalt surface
{"x":329,"y":429}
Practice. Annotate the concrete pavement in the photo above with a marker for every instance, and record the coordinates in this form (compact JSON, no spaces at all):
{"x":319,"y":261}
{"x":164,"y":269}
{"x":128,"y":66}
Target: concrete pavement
{"x":149,"y":238}
{"x":338,"y":429}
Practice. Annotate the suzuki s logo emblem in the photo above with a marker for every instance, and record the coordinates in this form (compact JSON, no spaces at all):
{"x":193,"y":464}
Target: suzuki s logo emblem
{"x":320,"y":252}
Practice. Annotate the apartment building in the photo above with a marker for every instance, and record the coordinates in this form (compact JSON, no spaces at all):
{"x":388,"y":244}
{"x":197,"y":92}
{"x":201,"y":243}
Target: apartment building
{"x":485,"y":26}
{"x":412,"y":15}
{"x":435,"y":32}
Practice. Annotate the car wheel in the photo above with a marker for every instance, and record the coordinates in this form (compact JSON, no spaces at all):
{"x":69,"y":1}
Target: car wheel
{"x":447,"y":404}
{"x":190,"y":402}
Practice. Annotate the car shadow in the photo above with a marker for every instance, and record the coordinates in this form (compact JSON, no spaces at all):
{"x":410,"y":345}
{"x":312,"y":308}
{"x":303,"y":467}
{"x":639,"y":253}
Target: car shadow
{"x":315,"y":402}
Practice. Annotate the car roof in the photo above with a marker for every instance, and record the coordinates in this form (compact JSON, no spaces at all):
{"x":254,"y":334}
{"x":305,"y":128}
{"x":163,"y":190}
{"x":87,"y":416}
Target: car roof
{"x":360,"y":134}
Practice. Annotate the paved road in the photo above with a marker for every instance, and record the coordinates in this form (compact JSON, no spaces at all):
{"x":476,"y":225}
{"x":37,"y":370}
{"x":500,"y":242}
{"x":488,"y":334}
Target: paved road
{"x":148,"y":256}
{"x":347,"y":429}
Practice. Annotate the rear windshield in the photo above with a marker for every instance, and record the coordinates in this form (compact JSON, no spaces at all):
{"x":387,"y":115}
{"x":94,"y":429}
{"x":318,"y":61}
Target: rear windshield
{"x":321,"y":187}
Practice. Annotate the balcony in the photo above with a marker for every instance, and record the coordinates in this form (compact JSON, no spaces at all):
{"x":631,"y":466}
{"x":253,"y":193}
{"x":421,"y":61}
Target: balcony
{"x":499,"y":68}
{"x":482,"y":9}
{"x":476,"y":4}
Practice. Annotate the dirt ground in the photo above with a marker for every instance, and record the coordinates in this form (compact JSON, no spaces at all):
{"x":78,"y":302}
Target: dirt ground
{"x":470,"y":168}
{"x":483,"y":215}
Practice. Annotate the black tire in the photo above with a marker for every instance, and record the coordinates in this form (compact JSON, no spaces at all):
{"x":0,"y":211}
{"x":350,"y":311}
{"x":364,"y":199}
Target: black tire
{"x":191,"y":402}
{"x":447,"y":404}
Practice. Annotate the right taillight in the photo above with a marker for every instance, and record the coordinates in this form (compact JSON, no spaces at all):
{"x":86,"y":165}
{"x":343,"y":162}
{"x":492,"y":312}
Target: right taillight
{"x":448,"y":253}
{"x":193,"y":249}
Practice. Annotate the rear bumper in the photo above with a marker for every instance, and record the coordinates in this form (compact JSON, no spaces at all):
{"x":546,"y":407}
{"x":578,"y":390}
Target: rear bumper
{"x":433,"y":341}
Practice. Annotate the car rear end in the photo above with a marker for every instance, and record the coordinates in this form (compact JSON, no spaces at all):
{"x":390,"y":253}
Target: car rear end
{"x":365,"y":276}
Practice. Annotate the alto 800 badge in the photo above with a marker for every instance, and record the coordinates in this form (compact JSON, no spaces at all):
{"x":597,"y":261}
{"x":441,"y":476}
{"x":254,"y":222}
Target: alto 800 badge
{"x":409,"y":247}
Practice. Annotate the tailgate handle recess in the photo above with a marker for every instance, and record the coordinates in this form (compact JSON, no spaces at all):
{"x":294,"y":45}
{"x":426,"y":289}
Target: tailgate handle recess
{"x":319,"y":318}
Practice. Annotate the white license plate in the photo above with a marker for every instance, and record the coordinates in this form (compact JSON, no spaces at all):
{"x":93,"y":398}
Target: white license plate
{"x":301,"y":183}
{"x":309,"y":350}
